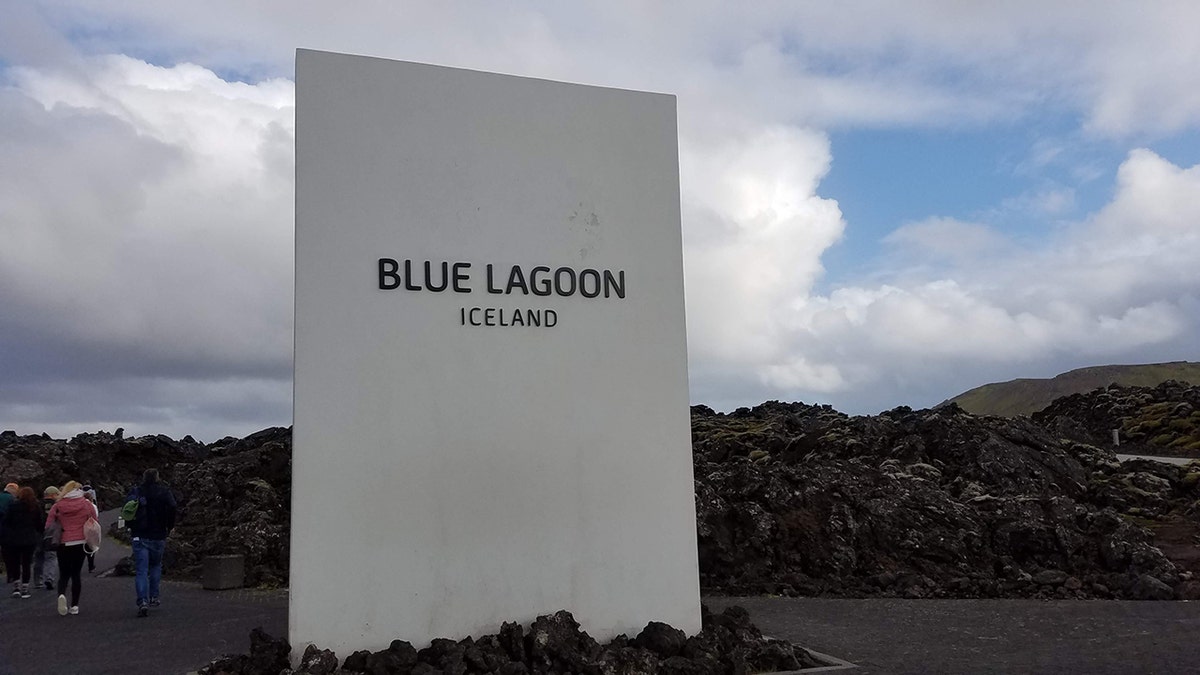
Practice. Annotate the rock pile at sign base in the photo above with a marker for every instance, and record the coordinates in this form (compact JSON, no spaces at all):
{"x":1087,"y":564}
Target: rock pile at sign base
{"x":728,"y":644}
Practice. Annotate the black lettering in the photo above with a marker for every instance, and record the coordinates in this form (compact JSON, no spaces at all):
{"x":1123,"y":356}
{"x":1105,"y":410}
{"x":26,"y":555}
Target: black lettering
{"x":518,"y":319}
{"x":584,"y":276}
{"x":489,"y":316}
{"x":565,"y":291}
{"x":471,"y":316}
{"x":408,"y":276}
{"x":491,"y":288}
{"x":500,"y":313}
{"x":551,"y":318}
{"x":534,"y":316}
{"x":429,"y":275}
{"x":539,"y":286}
{"x":516,"y":279}
{"x":461,"y":276}
{"x":388,"y":279}
{"x":614,"y":284}
{"x":462,"y":316}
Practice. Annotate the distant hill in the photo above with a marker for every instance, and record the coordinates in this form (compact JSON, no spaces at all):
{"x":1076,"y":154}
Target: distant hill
{"x":1026,"y":396}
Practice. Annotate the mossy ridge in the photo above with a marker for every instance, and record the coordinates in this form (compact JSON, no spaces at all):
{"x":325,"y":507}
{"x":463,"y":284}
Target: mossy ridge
{"x":1160,"y":420}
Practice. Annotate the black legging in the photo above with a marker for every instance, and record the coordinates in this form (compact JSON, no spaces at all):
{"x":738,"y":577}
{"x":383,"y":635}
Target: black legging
{"x":70,"y":568}
{"x":17,"y":560}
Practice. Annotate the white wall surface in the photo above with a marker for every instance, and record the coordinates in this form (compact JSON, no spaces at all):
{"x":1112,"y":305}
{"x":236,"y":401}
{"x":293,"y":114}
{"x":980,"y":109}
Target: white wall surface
{"x":447,"y":478}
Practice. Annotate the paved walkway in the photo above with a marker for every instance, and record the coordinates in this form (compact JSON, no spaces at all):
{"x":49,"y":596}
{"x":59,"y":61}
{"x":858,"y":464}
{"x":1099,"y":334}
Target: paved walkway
{"x":1179,"y":461}
{"x":192,"y":627}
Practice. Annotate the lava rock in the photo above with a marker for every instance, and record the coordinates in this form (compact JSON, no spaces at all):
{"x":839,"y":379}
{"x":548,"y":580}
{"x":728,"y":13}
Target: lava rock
{"x":267,"y":656}
{"x":1146,"y":587}
{"x":317,"y":662}
{"x":918,"y":504}
{"x":662,"y":639}
{"x":1160,"y":420}
{"x":554,"y":643}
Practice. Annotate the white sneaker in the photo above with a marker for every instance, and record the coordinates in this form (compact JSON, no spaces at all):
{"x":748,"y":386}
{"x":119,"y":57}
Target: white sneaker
{"x":62,"y":605}
{"x":75,"y":609}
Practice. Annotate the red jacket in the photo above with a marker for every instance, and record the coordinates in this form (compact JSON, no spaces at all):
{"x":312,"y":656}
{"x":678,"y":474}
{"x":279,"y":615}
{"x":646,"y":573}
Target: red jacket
{"x":72,"y":510}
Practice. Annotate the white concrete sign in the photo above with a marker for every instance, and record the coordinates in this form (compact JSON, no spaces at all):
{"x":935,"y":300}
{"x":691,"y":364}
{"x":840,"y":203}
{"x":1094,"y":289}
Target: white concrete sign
{"x":491,"y":413}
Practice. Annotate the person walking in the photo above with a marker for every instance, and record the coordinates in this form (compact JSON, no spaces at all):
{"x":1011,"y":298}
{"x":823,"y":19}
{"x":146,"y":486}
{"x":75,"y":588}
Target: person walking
{"x":23,"y":525}
{"x":6,"y":498}
{"x":72,"y":511}
{"x":90,"y":493}
{"x":45,"y":556}
{"x":149,"y":530}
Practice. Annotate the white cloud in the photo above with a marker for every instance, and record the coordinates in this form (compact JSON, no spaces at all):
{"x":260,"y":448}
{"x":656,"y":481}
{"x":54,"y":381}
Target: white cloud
{"x":147,"y":215}
{"x":754,"y":237}
{"x":1128,"y":69}
{"x":948,"y":239}
{"x":1121,"y":283}
{"x":146,"y":210}
{"x":1155,"y":199}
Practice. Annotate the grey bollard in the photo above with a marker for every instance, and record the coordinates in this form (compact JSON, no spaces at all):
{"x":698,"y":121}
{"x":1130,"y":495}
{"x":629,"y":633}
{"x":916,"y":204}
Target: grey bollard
{"x":224,"y":571}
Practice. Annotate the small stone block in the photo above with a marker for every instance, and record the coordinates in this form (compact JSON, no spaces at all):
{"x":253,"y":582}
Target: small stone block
{"x":224,"y":571}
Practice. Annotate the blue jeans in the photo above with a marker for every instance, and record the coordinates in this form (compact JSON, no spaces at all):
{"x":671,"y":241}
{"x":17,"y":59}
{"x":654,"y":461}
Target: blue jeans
{"x":147,"y":565}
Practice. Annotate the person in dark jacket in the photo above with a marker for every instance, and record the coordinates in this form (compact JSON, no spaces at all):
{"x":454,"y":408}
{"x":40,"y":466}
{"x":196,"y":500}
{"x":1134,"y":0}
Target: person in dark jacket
{"x":149,"y":530}
{"x":6,"y":497}
{"x":23,"y":525}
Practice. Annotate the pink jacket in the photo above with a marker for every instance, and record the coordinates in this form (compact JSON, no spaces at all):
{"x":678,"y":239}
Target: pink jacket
{"x":72,"y":510}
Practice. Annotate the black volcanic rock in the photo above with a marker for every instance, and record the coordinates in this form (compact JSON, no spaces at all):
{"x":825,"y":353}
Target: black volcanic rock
{"x":802,"y":500}
{"x":238,"y":501}
{"x":1161,"y":420}
{"x":267,"y":656}
{"x":234,"y":496}
{"x":554,"y":643}
{"x":110,"y":463}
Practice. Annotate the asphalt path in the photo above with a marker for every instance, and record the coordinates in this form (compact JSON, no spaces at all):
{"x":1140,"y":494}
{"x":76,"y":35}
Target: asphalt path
{"x":192,"y":627}
{"x":1179,"y":461}
{"x":901,"y":637}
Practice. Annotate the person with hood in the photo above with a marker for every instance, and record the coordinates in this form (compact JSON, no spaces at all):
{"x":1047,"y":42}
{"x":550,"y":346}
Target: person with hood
{"x":155,"y":520}
{"x":23,"y":525}
{"x":45,"y":556}
{"x":72,"y":511}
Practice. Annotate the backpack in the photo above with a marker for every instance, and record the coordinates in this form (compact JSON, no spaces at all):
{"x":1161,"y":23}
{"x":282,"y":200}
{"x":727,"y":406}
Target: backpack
{"x":129,"y":512}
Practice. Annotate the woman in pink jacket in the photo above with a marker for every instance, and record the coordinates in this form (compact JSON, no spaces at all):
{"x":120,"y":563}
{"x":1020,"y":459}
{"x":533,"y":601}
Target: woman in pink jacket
{"x":71,"y":510}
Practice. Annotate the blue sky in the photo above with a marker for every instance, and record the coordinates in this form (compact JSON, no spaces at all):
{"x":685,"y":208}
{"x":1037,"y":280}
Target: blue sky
{"x":884,"y":204}
{"x":883,"y":178}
